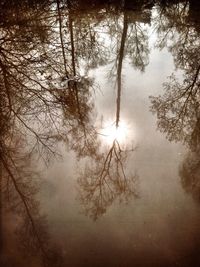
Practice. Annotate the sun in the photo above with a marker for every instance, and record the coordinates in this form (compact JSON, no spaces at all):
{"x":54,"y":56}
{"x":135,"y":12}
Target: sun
{"x":110,"y":132}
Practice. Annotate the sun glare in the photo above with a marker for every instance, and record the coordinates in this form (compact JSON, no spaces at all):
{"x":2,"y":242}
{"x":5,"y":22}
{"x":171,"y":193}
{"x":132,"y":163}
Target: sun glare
{"x":110,"y":132}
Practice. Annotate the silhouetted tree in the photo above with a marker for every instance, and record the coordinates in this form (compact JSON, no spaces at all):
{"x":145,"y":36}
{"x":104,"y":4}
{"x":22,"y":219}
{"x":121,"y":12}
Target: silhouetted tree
{"x":178,"y":108}
{"x":105,"y":178}
{"x":28,"y":107}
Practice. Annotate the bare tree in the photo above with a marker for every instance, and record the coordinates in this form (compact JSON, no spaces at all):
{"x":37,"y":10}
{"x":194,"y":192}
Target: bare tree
{"x":105,"y":178}
{"x":178,"y":108}
{"x":31,"y":115}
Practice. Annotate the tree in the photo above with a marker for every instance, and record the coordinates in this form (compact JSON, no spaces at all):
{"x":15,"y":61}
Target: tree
{"x":28,"y":106}
{"x":105,"y":179}
{"x":178,"y":109}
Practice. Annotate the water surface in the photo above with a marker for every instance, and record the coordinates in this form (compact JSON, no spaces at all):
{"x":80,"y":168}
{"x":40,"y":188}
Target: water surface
{"x":99,"y":141}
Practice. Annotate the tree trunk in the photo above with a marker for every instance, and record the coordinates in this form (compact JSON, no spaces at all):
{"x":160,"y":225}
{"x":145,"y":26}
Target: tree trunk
{"x":119,"y":67}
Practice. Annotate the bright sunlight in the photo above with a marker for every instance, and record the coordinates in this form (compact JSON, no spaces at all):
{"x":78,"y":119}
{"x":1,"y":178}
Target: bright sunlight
{"x":110,"y":132}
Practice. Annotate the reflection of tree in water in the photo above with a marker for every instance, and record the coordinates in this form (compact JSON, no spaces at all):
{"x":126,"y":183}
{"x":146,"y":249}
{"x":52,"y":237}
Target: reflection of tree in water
{"x":85,"y":45}
{"x":105,"y":178}
{"x":27,"y":107}
{"x":82,"y":49}
{"x":178,"y":109}
{"x":131,"y":24}
{"x":43,"y":101}
{"x":190,"y":174}
{"x":31,"y":110}
{"x":137,"y":43}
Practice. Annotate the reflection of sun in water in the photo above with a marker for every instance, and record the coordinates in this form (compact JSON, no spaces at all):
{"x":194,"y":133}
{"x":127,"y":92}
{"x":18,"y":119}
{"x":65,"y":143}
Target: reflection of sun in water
{"x":110,"y":132}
